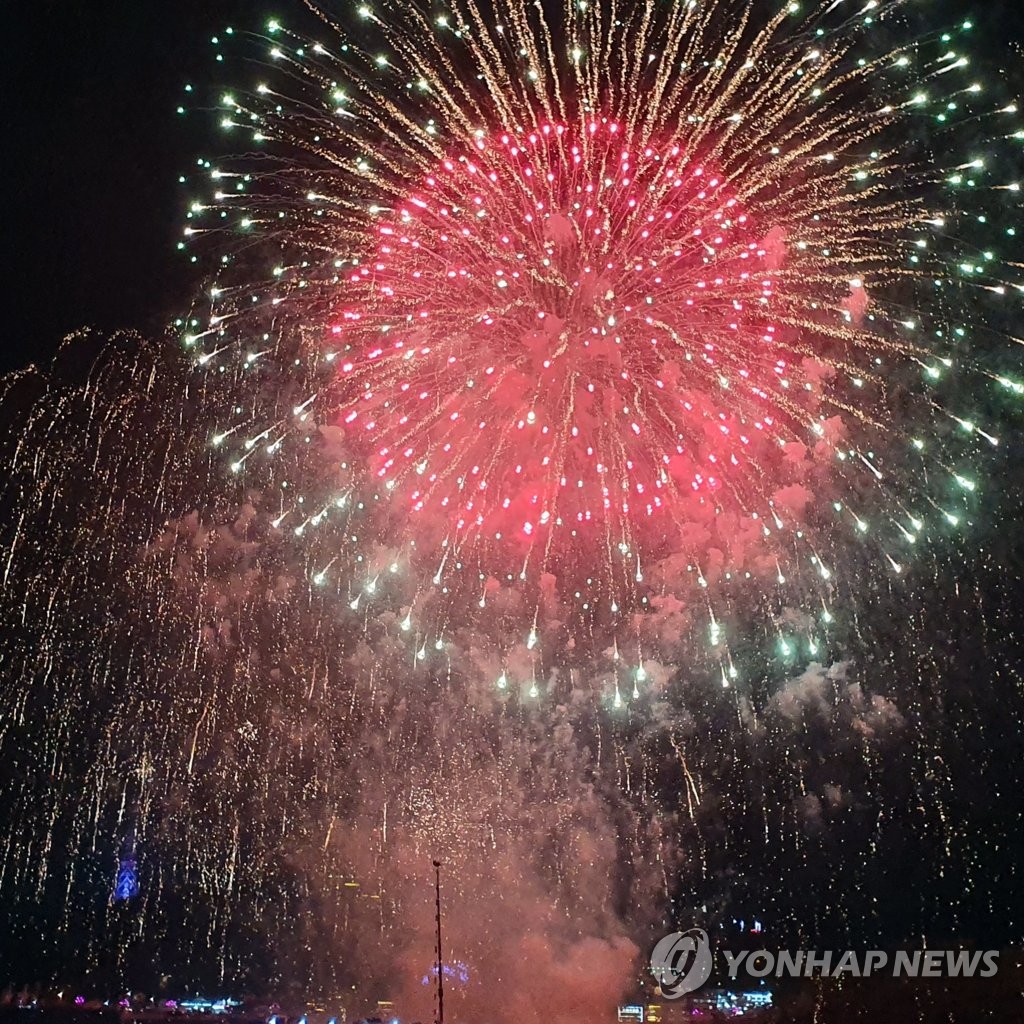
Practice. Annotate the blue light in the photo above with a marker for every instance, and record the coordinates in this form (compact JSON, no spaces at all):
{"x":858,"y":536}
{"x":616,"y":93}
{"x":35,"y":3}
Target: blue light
{"x":127,"y":883}
{"x":212,"y":1006}
{"x":456,"y":972}
{"x":741,"y":1002}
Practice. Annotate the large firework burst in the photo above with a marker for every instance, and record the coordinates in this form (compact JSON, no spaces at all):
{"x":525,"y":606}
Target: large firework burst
{"x":670,"y":286}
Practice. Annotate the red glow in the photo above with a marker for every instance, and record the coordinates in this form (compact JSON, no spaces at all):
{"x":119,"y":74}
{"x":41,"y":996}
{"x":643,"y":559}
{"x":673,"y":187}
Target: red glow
{"x":579,"y":320}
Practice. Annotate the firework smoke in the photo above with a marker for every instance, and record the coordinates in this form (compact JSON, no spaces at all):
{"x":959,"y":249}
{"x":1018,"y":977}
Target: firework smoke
{"x":536,"y":493}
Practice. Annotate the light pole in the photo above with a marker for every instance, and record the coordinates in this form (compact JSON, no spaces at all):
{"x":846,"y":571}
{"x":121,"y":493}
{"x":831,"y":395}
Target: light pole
{"x":440,"y":961}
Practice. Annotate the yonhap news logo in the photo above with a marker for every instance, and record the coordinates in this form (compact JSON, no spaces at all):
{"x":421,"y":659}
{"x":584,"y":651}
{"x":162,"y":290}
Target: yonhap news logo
{"x":682,"y":962}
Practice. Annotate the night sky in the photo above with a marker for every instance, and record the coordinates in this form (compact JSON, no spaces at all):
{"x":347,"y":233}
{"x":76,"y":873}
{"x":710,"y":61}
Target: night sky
{"x":92,"y":155}
{"x":93,"y":149}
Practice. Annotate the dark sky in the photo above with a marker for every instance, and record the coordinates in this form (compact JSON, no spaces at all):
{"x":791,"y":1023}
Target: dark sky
{"x":93,"y":149}
{"x":91,"y":155}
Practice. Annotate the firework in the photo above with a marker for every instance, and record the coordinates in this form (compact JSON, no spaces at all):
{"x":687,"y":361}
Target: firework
{"x":548,"y":368}
{"x":659,"y":306}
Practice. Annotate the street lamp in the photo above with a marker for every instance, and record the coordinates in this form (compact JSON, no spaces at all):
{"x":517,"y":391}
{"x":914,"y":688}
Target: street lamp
{"x":440,"y":961}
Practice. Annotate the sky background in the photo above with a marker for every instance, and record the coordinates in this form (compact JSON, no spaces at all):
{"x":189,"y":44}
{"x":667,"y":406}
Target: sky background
{"x":92,"y":153}
{"x":93,"y":148}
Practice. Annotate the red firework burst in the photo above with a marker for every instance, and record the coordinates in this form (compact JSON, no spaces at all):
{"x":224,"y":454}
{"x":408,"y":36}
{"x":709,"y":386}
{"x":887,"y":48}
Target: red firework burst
{"x":548,"y":328}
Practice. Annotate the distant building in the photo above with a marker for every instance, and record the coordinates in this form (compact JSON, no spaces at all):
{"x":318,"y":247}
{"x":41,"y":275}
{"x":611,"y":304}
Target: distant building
{"x":735,"y":1004}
